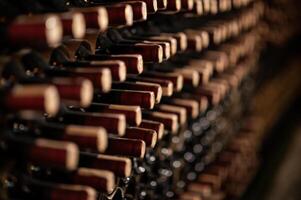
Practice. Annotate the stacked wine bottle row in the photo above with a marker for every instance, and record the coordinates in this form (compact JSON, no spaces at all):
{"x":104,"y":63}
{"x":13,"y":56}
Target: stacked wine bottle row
{"x":128,"y":99}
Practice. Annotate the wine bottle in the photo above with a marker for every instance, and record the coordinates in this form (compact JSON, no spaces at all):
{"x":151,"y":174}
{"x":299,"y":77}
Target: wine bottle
{"x":219,"y":59}
{"x":101,"y":78}
{"x":132,"y":113}
{"x":74,"y":90}
{"x":101,"y":180}
{"x":145,"y":99}
{"x":152,"y":5}
{"x":34,"y":62}
{"x":141,"y":86}
{"x":133,"y":62}
{"x":166,"y":85}
{"x":212,"y":94}
{"x":121,"y":166}
{"x":181,"y":38}
{"x":139,"y":10}
{"x":170,"y":121}
{"x":176,"y":79}
{"x":191,"y":105}
{"x":35,"y":97}
{"x":191,"y":77}
{"x":113,"y":123}
{"x":150,"y":52}
{"x":149,"y":136}
{"x":95,"y":17}
{"x":126,"y":147}
{"x":86,"y":137}
{"x":153,"y":125}
{"x":120,"y":15}
{"x":168,"y":43}
{"x":194,"y":42}
{"x":117,"y":68}
{"x":34,"y":31}
{"x":46,"y":190}
{"x":44,"y":152}
{"x":178,"y":110}
{"x":73,"y":24}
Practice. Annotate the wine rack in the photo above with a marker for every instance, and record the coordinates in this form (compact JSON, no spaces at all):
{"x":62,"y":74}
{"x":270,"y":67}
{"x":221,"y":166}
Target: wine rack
{"x":142,"y":99}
